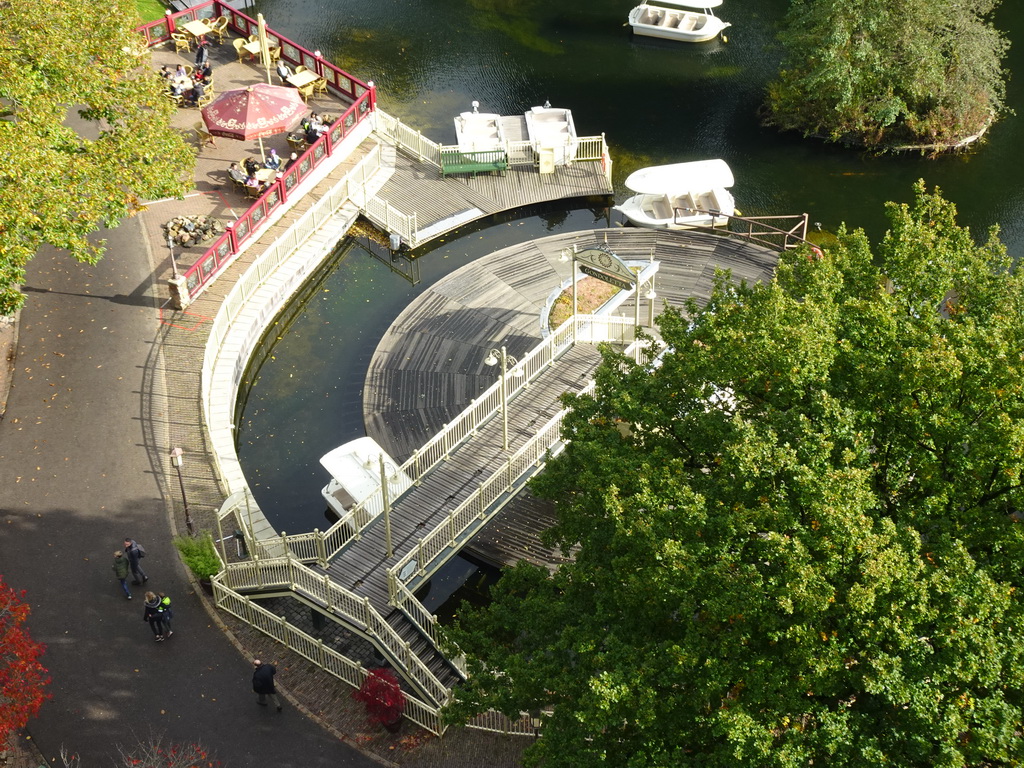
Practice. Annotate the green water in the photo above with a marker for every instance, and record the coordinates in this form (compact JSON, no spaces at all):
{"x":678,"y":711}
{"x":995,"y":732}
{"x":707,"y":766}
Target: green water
{"x":656,"y":102}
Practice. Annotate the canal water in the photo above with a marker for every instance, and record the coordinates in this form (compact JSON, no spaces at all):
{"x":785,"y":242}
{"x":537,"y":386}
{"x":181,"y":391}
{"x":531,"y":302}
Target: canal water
{"x":656,"y":102}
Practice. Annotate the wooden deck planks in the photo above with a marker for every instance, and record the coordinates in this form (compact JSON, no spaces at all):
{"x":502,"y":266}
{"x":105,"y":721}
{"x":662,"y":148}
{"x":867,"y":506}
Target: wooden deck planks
{"x":418,"y":188}
{"x":472,"y":304}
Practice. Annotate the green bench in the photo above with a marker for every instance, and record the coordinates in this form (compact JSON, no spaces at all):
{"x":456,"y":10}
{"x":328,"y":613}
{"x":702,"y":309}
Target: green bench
{"x":453,"y":161}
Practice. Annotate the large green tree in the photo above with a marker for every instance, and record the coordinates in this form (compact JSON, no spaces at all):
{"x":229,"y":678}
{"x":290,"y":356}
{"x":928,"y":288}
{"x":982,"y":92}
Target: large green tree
{"x":62,"y":178}
{"x":798,"y":537}
{"x":882,"y":73}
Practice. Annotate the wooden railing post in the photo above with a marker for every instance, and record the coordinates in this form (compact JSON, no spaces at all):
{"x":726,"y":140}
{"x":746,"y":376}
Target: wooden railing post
{"x":367,"y":612}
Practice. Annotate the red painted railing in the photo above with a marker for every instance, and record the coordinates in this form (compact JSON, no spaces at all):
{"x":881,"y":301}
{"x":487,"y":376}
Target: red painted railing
{"x":363,"y":95}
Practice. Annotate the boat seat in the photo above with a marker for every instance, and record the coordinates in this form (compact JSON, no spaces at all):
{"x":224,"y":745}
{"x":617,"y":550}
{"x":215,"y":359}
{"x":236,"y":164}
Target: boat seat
{"x":687,"y":203}
{"x":344,"y":498}
{"x":690,"y":22}
{"x":660,"y":208}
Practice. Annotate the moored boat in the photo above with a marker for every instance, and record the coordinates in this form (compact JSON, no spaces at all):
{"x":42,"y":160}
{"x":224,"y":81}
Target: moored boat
{"x":690,"y":21}
{"x":680,"y":195}
{"x":478,"y":131}
{"x":356,"y":470}
{"x":551,"y":130}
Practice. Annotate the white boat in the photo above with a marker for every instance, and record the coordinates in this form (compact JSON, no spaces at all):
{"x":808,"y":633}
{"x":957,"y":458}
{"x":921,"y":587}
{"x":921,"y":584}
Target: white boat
{"x":478,"y":131}
{"x":680,"y":196}
{"x":551,"y":130}
{"x":691,"y":21}
{"x":355,"y":469}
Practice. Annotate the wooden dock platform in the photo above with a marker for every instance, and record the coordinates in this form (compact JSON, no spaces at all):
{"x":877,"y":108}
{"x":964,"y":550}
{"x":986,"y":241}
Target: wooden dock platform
{"x":442,"y":204}
{"x":429,"y":365}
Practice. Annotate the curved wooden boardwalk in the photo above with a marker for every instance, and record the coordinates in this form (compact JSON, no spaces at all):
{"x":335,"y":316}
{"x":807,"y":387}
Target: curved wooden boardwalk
{"x":430,"y":364}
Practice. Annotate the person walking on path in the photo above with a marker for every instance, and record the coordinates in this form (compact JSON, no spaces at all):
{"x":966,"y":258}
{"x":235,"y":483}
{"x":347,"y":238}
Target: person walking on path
{"x":135,"y":553}
{"x":120,"y":568}
{"x":263,"y":683}
{"x":152,"y":613}
{"x":166,"y":613}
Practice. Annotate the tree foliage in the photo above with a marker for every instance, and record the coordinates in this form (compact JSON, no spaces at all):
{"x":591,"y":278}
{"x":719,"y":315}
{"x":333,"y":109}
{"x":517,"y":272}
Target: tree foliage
{"x":22,"y":678}
{"x":804,"y":548}
{"x":58,"y":185}
{"x":879,"y":73}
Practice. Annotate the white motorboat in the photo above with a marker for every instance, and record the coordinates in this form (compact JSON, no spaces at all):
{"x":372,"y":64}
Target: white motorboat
{"x":551,"y":130}
{"x":691,"y":21}
{"x":680,"y":196}
{"x":355,"y":469}
{"x":479,"y":131}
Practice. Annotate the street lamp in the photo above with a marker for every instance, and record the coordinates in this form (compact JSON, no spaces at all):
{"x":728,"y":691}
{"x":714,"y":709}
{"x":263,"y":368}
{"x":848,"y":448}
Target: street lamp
{"x":176,"y":462}
{"x":566,"y":255}
{"x":174,"y":264}
{"x":494,"y":357}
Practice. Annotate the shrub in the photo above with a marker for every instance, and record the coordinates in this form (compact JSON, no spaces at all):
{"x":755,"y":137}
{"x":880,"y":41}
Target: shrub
{"x":382,"y":695}
{"x":199,"y":555}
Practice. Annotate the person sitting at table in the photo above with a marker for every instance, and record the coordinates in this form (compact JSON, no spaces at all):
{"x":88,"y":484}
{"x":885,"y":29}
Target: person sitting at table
{"x":292,"y":160}
{"x":236,"y":174}
{"x":251,"y":166}
{"x":311,"y":133}
{"x":197,"y":92}
{"x":284,"y":73}
{"x":204,"y":73}
{"x":272,"y":160}
{"x":165,"y":72}
{"x":180,"y":73}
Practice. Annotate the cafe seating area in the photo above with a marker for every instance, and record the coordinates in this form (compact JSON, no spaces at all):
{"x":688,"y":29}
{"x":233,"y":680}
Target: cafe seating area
{"x":218,"y":195}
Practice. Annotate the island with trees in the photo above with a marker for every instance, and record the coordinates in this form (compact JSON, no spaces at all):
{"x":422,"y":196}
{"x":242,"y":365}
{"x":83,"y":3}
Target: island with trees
{"x":796,"y":538}
{"x":918,"y":74}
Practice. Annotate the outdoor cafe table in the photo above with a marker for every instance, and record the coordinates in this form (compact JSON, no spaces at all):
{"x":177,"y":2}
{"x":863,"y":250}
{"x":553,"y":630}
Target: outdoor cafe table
{"x":253,"y":48}
{"x":303,"y":78}
{"x":265,"y":175}
{"x":198,"y":28}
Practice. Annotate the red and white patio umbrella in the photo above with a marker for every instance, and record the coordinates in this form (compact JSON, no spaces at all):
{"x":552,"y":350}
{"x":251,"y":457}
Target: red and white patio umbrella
{"x":254,"y":112}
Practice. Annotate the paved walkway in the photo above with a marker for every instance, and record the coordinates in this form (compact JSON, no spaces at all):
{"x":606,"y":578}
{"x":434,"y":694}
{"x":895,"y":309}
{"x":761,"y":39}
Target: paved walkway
{"x":103,"y":382}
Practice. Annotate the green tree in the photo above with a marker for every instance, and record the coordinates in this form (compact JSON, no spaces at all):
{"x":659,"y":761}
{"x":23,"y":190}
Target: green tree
{"x":878,"y":73}
{"x":58,"y":185}
{"x":805,"y":546}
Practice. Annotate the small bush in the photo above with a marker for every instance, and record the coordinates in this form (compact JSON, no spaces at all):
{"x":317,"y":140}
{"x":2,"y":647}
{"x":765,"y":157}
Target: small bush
{"x":199,"y":555}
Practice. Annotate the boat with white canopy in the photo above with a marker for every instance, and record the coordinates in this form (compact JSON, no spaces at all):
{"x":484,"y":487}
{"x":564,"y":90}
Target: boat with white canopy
{"x":691,"y":21}
{"x":680,"y":195}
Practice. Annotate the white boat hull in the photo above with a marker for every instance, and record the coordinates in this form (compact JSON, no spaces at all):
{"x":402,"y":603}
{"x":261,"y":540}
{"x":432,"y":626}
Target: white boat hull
{"x":672,"y":24}
{"x":479,"y":132}
{"x":552,"y":129}
{"x":680,"y":211}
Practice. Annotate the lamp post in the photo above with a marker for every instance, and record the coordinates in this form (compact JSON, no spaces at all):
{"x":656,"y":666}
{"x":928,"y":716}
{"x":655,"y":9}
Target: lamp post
{"x":566,"y":255}
{"x":500,"y":356}
{"x":176,"y":461}
{"x":174,"y":264}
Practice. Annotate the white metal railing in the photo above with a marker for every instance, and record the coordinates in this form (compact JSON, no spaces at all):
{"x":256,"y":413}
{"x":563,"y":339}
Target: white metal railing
{"x":423,"y":714}
{"x":414,"y":142}
{"x":473,"y":513}
{"x":392,"y":220}
{"x":287,"y":573}
{"x":256,"y":276}
{"x":322,"y":546}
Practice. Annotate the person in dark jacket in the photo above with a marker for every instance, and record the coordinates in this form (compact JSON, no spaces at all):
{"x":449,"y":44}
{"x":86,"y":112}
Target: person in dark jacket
{"x":151,"y":612}
{"x":120,"y":569}
{"x":134,"y":554}
{"x":166,"y":613}
{"x":263,"y":683}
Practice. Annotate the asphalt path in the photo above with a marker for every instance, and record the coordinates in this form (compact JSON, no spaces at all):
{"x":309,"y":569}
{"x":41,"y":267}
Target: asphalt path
{"x":78,"y":473}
